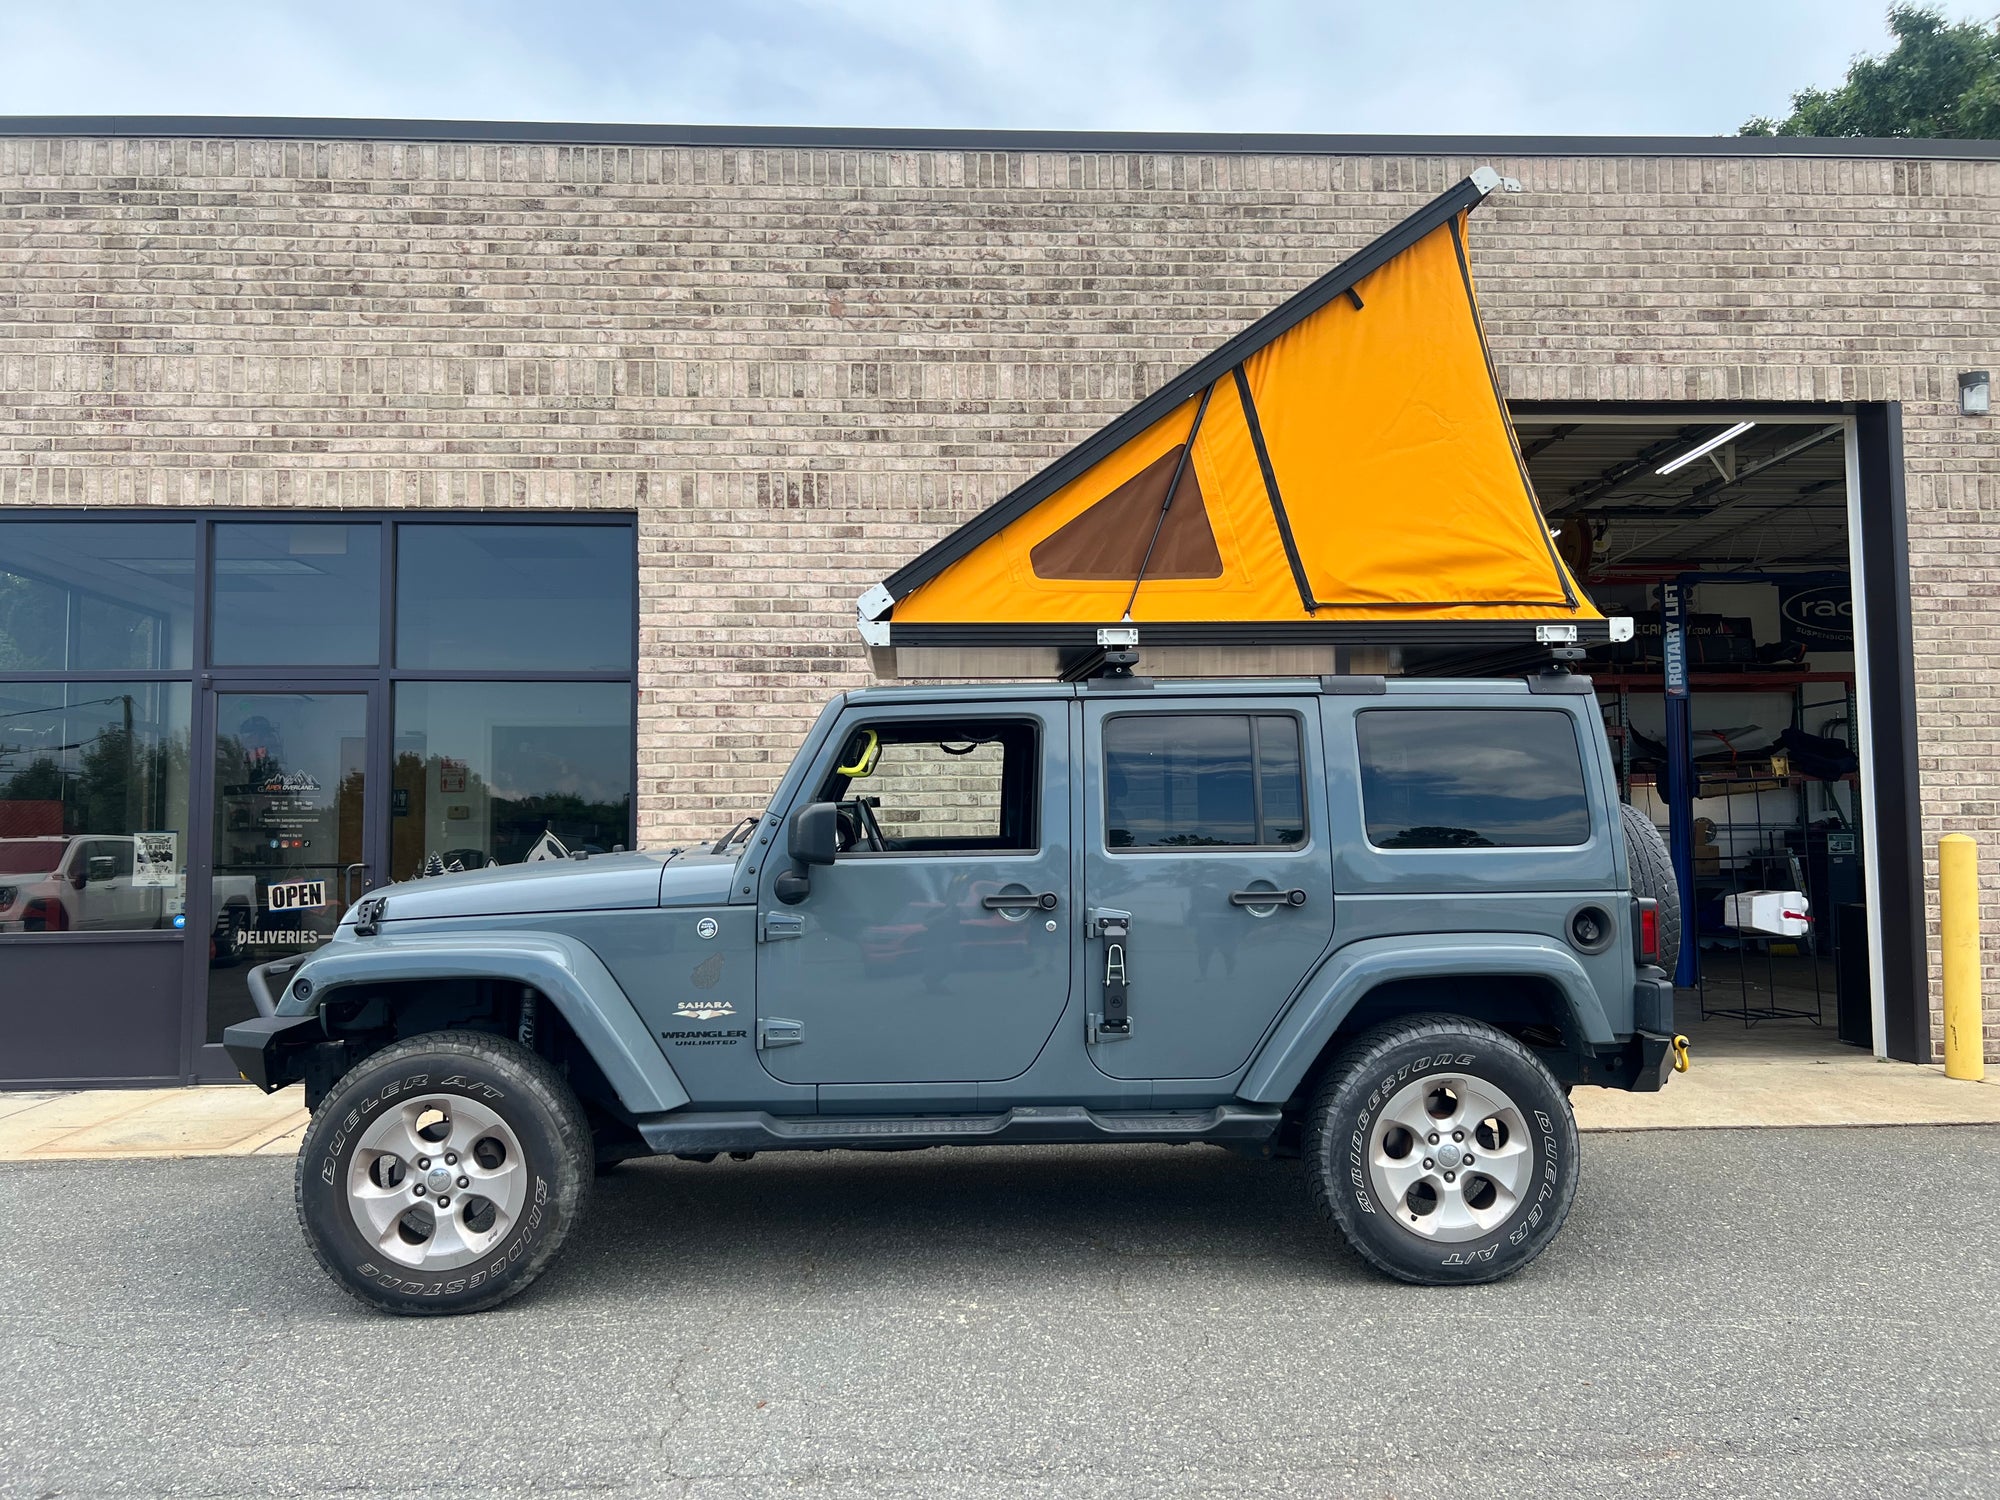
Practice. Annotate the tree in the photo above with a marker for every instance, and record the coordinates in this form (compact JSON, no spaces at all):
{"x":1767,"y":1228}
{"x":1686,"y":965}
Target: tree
{"x":1941,"y":80}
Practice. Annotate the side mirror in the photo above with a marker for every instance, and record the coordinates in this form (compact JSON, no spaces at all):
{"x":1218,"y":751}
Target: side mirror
{"x":812,"y":839}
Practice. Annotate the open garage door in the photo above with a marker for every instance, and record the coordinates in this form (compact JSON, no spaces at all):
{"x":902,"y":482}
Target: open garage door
{"x":1748,"y":710}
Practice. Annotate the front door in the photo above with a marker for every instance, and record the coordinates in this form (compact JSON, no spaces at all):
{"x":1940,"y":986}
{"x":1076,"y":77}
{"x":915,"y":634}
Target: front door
{"x":936,"y":948}
{"x":1205,"y":839}
{"x":293,"y":842}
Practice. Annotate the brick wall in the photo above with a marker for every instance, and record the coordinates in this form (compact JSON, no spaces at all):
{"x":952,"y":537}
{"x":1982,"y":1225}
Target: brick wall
{"x":801,"y":366}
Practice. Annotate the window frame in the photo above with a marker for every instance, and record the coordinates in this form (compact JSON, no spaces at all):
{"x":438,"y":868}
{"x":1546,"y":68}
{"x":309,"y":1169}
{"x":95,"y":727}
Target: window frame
{"x":1582,"y":784}
{"x":205,"y":677}
{"x":198,"y":604}
{"x":207,"y":538}
{"x":1305,"y":840}
{"x":1038,"y":784}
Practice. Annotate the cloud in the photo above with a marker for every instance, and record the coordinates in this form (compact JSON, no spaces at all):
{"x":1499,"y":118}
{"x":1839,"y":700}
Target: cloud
{"x":1684,"y":67}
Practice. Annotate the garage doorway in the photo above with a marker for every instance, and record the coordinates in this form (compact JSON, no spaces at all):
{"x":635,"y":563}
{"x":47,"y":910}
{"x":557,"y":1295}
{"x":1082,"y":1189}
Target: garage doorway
{"x":1746,"y":712}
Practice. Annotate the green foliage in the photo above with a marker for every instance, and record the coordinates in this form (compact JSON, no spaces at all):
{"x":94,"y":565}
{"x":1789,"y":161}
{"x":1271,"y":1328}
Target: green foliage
{"x":1940,"y":81}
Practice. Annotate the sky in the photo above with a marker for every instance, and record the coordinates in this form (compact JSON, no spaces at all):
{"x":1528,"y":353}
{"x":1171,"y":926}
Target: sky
{"x":1566,"y":67}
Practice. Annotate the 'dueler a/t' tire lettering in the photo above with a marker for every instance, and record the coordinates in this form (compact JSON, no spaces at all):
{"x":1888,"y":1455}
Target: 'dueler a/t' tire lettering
{"x":443,"y":1173}
{"x":1443,"y":1149}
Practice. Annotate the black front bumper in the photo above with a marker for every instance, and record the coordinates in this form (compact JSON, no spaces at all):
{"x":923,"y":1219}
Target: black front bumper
{"x":257,"y":1046}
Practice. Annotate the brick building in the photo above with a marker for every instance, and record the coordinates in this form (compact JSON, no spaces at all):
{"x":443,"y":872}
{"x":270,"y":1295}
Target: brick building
{"x":776,"y":364}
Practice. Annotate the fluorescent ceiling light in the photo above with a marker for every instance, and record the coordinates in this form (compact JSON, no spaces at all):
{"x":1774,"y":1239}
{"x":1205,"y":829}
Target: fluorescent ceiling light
{"x":1700,"y":448}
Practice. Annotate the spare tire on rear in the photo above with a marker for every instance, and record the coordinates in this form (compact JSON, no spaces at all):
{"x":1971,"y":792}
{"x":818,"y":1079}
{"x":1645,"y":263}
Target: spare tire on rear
{"x":1652,"y":869}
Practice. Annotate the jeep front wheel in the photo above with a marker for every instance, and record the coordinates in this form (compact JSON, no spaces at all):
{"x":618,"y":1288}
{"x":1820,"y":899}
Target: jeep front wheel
{"x":1443,"y":1150}
{"x":443,"y":1173}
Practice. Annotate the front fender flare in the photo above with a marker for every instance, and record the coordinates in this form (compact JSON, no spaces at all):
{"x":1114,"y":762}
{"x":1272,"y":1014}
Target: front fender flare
{"x":573,"y":978}
{"x":1340,"y":983}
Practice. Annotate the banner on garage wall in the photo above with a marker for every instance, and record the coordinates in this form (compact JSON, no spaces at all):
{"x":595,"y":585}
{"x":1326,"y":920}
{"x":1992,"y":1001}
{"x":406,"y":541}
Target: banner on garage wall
{"x":1818,"y":616}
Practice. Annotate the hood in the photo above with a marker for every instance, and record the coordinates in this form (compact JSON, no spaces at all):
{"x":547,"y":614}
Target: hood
{"x":604,"y":882}
{"x":698,"y":879}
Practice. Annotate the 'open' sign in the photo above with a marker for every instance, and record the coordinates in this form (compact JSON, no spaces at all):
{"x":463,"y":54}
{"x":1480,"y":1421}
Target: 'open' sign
{"x":297,"y":895}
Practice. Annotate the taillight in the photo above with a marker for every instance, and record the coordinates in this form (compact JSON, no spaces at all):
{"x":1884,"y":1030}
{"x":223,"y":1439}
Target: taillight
{"x":1647,"y":929}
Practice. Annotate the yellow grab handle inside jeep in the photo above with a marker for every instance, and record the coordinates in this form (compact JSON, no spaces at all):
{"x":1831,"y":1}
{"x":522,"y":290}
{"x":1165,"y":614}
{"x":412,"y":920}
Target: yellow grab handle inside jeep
{"x":864,"y":763}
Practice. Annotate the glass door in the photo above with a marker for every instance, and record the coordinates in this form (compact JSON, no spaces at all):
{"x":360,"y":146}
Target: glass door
{"x":294,"y":841}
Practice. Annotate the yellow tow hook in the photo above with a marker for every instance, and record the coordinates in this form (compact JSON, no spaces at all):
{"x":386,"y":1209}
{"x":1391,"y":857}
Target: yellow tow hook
{"x":1680,"y":1054}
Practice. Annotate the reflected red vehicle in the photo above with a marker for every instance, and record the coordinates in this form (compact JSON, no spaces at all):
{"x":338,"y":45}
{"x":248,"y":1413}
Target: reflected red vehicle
{"x":973,"y":936}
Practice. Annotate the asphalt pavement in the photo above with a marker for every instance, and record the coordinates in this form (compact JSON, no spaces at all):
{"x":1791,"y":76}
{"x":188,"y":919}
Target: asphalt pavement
{"x":1766,"y":1313}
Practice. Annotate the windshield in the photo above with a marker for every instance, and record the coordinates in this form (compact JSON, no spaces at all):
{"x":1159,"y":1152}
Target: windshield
{"x":30,"y":856}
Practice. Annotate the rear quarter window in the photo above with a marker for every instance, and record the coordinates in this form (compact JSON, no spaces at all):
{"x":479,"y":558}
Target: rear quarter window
{"x":1446,"y":778}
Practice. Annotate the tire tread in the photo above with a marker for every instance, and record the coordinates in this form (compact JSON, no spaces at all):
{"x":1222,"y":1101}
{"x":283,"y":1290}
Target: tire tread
{"x":539,"y":1076}
{"x":1326,"y":1188}
{"x":1652,"y":871}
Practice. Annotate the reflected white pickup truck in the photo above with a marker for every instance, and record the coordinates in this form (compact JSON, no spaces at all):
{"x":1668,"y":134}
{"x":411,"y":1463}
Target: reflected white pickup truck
{"x":91,"y":883}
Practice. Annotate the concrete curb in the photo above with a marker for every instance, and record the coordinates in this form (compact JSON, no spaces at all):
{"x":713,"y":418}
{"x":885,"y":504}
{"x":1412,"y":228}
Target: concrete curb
{"x":1731,"y":1093}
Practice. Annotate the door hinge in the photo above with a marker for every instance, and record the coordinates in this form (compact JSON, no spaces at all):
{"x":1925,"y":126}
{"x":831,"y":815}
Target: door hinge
{"x":778,"y":924}
{"x":773,"y":1031}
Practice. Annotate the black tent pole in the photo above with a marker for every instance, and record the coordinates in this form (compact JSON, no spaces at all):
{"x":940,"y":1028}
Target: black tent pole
{"x":1180,"y":467}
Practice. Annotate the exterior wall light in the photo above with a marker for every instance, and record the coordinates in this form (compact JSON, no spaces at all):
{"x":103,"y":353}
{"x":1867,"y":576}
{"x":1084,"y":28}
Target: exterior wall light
{"x":1975,"y":393}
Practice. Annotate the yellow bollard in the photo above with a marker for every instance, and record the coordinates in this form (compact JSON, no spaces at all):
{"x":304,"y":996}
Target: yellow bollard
{"x":1958,"y":898}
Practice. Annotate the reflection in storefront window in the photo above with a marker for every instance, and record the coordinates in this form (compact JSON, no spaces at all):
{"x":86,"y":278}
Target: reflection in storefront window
{"x":96,"y":596}
{"x":497,"y":773}
{"x":514,"y":598}
{"x":93,"y":806}
{"x":302,"y":594}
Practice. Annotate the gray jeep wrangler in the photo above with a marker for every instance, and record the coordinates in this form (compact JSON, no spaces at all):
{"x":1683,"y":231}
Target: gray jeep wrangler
{"x":1382,"y":926}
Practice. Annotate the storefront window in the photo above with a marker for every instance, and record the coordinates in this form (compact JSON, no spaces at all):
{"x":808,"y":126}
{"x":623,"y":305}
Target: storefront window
{"x":514,"y":598}
{"x":497,"y":773}
{"x":299,"y":595}
{"x":96,"y":596}
{"x":93,"y":806}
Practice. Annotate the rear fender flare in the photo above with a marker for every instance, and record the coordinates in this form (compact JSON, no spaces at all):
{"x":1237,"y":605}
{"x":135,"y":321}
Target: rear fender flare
{"x":565,"y":970}
{"x":1340,"y":984}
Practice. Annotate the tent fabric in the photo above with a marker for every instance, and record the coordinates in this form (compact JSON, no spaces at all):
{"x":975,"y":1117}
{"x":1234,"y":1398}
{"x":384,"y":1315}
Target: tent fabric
{"x":1358,"y":465}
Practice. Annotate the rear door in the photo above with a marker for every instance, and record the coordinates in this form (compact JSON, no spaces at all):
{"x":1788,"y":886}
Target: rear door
{"x":1205,"y":836}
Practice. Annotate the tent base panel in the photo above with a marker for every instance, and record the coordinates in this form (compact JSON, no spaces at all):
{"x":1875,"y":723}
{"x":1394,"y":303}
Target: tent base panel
{"x":1209,"y":649}
{"x":1062,"y":635}
{"x":1012,"y":663}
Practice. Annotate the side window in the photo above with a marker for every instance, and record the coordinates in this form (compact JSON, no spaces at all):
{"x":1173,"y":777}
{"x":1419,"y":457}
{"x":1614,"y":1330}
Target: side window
{"x":909,"y":786}
{"x":1211,"y":781}
{"x":1435,"y":778}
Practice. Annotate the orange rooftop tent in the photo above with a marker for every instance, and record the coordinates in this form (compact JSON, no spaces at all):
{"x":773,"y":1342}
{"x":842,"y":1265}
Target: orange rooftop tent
{"x":1341,"y":471}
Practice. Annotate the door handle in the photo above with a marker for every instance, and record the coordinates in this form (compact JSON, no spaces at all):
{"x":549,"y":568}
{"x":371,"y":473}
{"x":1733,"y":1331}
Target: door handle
{"x":1293,"y":897}
{"x":347,"y":879}
{"x":1046,"y":901}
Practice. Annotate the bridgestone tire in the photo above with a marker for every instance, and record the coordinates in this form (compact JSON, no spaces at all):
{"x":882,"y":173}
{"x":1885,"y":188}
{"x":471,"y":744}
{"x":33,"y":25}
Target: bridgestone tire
{"x":1652,"y":870}
{"x":502,"y":1080}
{"x":1348,"y":1110}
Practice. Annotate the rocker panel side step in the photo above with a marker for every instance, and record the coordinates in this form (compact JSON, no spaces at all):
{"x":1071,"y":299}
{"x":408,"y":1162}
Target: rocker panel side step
{"x":1068,"y":1124}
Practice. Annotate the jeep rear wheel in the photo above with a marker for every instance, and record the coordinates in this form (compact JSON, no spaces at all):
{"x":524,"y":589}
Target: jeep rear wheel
{"x":443,"y":1174}
{"x":1444,"y":1151}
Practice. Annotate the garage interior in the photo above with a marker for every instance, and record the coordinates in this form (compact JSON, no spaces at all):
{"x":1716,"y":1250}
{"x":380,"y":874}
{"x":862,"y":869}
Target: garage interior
{"x":1749,"y":522}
